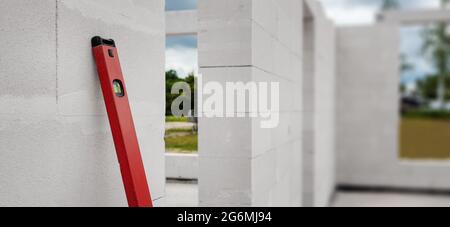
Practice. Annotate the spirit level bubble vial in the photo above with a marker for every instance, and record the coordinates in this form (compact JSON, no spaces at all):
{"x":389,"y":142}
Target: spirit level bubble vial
{"x":121,"y":121}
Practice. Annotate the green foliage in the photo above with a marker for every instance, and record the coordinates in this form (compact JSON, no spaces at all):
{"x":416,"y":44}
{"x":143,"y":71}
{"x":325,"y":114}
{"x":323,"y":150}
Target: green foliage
{"x":179,"y":130}
{"x":176,"y":119}
{"x":427,"y":114}
{"x":172,"y":75}
{"x":187,"y":143}
{"x":390,"y":4}
{"x":171,"y":79}
{"x":429,"y":85}
{"x":191,"y":79}
{"x":402,"y":88}
{"x":445,"y":4}
{"x":437,"y":48}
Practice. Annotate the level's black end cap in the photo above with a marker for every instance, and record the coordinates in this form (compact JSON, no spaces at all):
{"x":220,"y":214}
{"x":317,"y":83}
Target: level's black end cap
{"x":98,"y":41}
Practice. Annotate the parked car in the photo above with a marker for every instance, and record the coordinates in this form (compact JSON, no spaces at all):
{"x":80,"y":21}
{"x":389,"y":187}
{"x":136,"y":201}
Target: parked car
{"x":409,"y":103}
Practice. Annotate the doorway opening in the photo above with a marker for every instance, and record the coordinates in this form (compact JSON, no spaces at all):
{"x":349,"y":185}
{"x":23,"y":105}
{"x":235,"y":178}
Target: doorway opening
{"x":181,"y":67}
{"x":181,"y":134}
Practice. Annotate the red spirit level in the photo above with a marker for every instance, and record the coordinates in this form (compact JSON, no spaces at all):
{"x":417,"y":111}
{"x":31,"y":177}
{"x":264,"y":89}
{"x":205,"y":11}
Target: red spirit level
{"x":121,"y":121}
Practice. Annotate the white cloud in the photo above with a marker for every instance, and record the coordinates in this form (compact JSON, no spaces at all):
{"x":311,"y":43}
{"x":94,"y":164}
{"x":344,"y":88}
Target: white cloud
{"x":182,"y":59}
{"x":347,"y":12}
{"x":352,"y":16}
{"x":356,"y":12}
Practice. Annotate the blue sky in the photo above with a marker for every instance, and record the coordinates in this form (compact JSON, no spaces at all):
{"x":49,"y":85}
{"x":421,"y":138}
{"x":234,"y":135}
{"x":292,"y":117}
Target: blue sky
{"x":180,"y":4}
{"x":411,"y":48}
{"x":181,"y":52}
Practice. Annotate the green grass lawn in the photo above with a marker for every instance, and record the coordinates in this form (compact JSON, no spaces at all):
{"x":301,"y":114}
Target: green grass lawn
{"x":176,"y":119}
{"x":181,"y":140}
{"x":423,"y":138}
{"x":186,"y":144}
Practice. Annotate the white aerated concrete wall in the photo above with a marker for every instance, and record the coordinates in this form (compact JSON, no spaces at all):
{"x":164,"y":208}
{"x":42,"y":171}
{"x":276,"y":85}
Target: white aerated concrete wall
{"x":319,"y":98}
{"x":242,"y":164}
{"x":182,"y":166}
{"x":368,"y":99}
{"x":56,"y":147}
{"x":325,"y":112}
{"x":368,"y":114}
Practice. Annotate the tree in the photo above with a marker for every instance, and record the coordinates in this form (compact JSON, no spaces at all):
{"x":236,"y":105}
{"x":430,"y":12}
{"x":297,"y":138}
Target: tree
{"x":406,"y":65}
{"x":445,"y":4}
{"x":191,"y":80}
{"x":390,"y":5}
{"x":427,"y":87}
{"x":437,"y":48}
{"x":171,"y":79}
{"x":172,"y":75}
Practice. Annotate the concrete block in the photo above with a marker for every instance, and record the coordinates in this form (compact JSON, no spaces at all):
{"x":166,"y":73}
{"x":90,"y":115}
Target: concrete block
{"x":263,"y":175}
{"x":27,"y":63}
{"x":265,"y":16}
{"x":184,"y":22}
{"x":30,"y":168}
{"x":58,"y":145}
{"x":224,"y":33}
{"x":226,"y":138}
{"x":182,"y":166}
{"x":225,"y":182}
{"x":263,"y":48}
{"x":78,"y":85}
{"x":224,"y":43}
{"x":84,"y":171}
{"x":258,"y":41}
